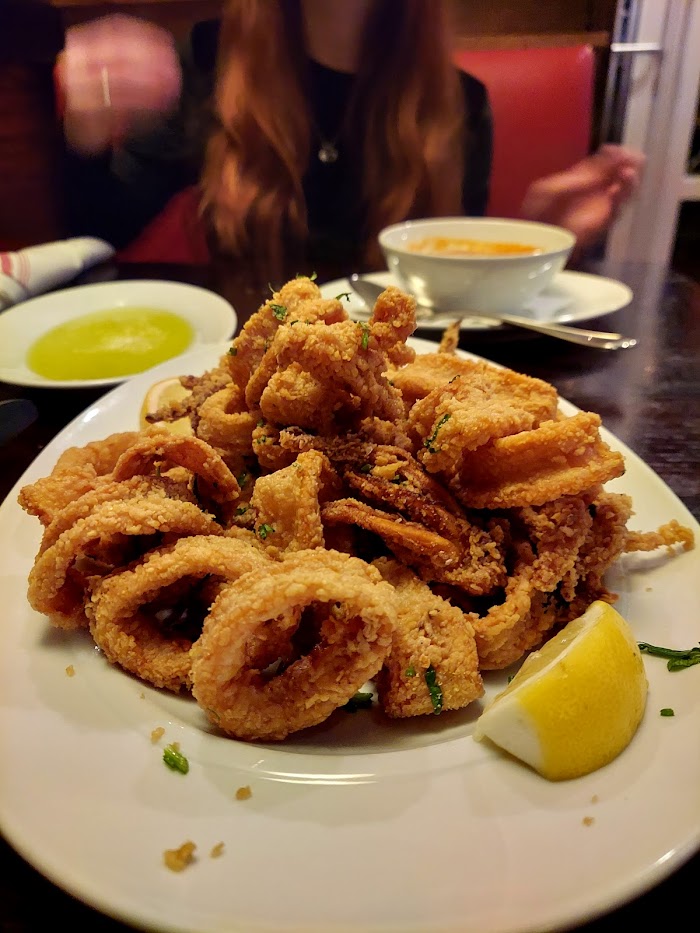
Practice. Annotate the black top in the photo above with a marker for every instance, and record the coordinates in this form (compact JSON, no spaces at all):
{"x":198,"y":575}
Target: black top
{"x":115,"y":196}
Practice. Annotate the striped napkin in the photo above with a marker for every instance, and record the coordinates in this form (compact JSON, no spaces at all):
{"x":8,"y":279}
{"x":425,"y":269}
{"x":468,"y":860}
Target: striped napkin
{"x":37,"y":269}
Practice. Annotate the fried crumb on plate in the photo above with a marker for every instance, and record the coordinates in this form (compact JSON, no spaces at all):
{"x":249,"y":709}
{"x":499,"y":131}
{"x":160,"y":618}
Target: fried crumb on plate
{"x":70,"y":670}
{"x":179,"y":859}
{"x":157,"y":734}
{"x":217,"y":850}
{"x":588,"y":820}
{"x":244,"y":793}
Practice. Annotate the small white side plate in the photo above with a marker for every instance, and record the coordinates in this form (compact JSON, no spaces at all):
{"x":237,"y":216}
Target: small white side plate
{"x":572,"y":297}
{"x":212,"y":318}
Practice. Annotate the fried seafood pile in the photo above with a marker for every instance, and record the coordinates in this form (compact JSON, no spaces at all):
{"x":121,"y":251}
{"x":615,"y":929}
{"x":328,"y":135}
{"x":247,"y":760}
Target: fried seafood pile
{"x":343,"y":511}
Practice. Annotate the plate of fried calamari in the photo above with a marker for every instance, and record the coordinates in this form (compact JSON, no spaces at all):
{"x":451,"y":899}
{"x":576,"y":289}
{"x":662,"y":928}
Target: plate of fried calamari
{"x":242,"y":663}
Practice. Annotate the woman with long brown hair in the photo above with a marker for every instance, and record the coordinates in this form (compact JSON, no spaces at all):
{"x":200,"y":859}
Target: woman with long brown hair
{"x":303,"y":126}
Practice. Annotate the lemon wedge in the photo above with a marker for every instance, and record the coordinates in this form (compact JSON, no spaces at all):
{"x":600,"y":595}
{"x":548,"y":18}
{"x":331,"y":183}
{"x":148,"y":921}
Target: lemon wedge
{"x":575,"y":704}
{"x":163,"y":393}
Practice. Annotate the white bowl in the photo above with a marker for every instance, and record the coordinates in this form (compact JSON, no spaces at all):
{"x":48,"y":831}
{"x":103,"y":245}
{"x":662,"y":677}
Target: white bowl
{"x":476,"y":284}
{"x":211,"y":317}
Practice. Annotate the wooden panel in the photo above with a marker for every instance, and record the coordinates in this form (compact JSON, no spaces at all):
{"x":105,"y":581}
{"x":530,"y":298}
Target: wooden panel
{"x":31,"y":210}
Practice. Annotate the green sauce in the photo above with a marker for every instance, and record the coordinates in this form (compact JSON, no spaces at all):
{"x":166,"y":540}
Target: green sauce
{"x":104,"y":344}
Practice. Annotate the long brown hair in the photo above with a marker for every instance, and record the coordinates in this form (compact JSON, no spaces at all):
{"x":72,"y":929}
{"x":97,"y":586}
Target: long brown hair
{"x":406,"y":90}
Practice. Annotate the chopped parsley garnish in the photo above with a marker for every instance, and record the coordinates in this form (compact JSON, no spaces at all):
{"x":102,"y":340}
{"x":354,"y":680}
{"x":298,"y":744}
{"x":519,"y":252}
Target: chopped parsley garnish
{"x":430,"y":441}
{"x":398,"y":479}
{"x":667,"y":711}
{"x":365,"y":334}
{"x":434,"y":689}
{"x":265,"y":530}
{"x":261,"y":423}
{"x":361,"y":700}
{"x":366,"y":468}
{"x":303,"y":275}
{"x":175,"y":760}
{"x":241,"y":510}
{"x":242,"y":479}
{"x":279,"y":311}
{"x":233,"y":351}
{"x":410,"y":671}
{"x":345,"y":295}
{"x":678,"y":660}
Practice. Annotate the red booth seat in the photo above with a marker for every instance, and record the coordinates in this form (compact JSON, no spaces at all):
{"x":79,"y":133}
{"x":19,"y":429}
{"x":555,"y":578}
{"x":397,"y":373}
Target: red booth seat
{"x":542,"y":103}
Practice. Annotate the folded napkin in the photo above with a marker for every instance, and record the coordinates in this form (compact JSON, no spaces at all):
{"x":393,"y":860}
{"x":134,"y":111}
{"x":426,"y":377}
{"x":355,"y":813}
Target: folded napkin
{"x":38,"y":269}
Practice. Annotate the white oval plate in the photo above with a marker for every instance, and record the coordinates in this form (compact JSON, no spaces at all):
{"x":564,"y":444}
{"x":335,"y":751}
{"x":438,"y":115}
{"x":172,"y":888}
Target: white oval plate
{"x":358,"y":826}
{"x":212,"y":318}
{"x":572,"y":297}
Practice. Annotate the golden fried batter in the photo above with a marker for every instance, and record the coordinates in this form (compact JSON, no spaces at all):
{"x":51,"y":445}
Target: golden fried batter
{"x":430,"y":634}
{"x":287,"y":504}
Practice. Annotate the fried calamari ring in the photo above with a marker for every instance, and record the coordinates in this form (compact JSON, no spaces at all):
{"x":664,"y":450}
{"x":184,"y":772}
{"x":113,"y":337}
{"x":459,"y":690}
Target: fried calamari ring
{"x":139,"y":641}
{"x":225,"y":424}
{"x":354,"y":641}
{"x":77,"y":471}
{"x":56,"y":592}
{"x":430,"y":635}
{"x":136,"y":487}
{"x":156,"y":447}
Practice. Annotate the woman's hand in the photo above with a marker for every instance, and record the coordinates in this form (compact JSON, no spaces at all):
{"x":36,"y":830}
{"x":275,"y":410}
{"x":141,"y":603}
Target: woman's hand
{"x":586,"y":198}
{"x":113,"y":74}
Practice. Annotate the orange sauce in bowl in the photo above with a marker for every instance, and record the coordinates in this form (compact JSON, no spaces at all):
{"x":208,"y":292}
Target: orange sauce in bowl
{"x":461,"y":246}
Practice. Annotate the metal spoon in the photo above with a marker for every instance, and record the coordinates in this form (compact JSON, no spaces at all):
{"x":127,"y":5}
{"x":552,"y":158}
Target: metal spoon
{"x":601,"y":340}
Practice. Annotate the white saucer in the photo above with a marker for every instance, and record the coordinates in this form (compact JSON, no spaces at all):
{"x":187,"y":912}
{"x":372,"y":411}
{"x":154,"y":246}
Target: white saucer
{"x":212,"y":318}
{"x":572,"y":297}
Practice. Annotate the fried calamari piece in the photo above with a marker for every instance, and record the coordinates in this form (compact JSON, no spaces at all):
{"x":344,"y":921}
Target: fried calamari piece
{"x":397,"y":480}
{"x":224,"y":422}
{"x":340,"y":366}
{"x":59,"y":593}
{"x":668,"y":535}
{"x":450,"y":338}
{"x":517,"y":624}
{"x":430,"y":636}
{"x":557,"y":530}
{"x":270,"y":454}
{"x":433,"y":556}
{"x":156,"y":451}
{"x":392,"y":322}
{"x":431,"y":371}
{"x":77,"y":471}
{"x":560,"y":458}
{"x":136,"y":487}
{"x":199,"y":389}
{"x":603,"y":544}
{"x":298,"y":300}
{"x":475,"y":408}
{"x":353,"y":641}
{"x":287,"y":504}
{"x":146,"y":617}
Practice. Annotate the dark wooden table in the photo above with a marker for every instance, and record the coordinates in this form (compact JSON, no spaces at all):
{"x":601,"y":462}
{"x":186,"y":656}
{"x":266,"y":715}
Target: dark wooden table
{"x":649,"y":397}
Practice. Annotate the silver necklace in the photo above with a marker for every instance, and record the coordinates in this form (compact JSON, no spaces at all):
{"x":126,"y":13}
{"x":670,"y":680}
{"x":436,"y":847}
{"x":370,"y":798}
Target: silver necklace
{"x":328,"y":152}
